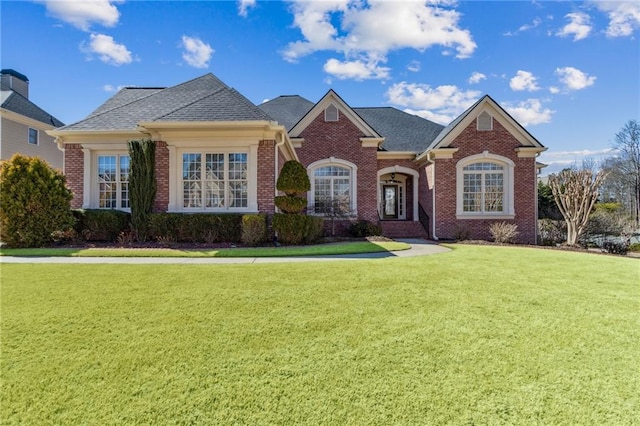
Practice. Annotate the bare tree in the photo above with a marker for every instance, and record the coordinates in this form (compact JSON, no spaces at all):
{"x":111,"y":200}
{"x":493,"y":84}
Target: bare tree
{"x":627,"y":142}
{"x":575,"y":192}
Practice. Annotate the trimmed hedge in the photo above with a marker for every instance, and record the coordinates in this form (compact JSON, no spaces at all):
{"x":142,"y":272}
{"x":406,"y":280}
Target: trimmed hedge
{"x":364,"y":228}
{"x":254,"y":229}
{"x":196,"y":227}
{"x":101,"y":225}
{"x":297,"y":229}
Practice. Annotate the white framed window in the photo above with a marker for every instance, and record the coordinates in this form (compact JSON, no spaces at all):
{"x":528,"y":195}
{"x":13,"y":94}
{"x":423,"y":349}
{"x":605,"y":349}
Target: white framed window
{"x":215,"y":180}
{"x":485,"y":187}
{"x":113,"y":181}
{"x":333,"y":184}
{"x":33,"y":136}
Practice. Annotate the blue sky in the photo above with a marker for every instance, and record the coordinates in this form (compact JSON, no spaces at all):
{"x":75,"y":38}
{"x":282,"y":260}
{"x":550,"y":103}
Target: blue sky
{"x":569,"y":71}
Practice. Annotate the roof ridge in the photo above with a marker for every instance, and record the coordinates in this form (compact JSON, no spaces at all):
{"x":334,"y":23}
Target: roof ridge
{"x":190,"y":103}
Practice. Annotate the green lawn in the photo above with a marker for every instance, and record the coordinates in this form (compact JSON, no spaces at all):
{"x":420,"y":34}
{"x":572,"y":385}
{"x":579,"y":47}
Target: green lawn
{"x":478,"y":335}
{"x":356,"y":247}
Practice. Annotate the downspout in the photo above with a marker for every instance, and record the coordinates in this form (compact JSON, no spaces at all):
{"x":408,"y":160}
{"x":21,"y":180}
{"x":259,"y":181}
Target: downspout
{"x":535,"y":199}
{"x":277,"y":169}
{"x":433,"y":199}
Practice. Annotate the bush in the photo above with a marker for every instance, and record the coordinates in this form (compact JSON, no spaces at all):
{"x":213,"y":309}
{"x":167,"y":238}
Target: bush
{"x":364,"y":228}
{"x":503,"y":232}
{"x":634,"y":247}
{"x":297,"y":229}
{"x":552,"y":232}
{"x":101,"y":225}
{"x":34,"y":202}
{"x":195,"y":227}
{"x":254,"y":229}
{"x":615,"y":247}
{"x":293,"y":179}
{"x":290,"y":203}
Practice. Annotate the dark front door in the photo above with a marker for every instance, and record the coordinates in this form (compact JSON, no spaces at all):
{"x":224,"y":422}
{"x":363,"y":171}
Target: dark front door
{"x":390,"y":209}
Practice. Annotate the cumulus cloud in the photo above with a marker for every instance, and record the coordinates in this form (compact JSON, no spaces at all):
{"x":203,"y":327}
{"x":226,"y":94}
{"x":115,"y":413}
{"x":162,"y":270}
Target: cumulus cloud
{"x":107,"y":50}
{"x":526,"y":27}
{"x":624,"y":17}
{"x":357,"y":70}
{"x":82,"y":14}
{"x":366,"y":31}
{"x":574,"y":79}
{"x":579,"y":26}
{"x":244,"y":6}
{"x":441,"y":104}
{"x":196,"y":52}
{"x":476,"y":78}
{"x":524,"y":81}
{"x":529,"y":112}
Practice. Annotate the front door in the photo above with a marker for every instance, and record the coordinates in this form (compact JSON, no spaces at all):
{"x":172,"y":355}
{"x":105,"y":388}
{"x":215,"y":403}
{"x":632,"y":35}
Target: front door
{"x":390,"y":201}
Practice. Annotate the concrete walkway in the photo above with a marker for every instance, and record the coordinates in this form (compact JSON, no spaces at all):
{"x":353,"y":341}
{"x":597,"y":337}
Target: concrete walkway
{"x":419,"y":247}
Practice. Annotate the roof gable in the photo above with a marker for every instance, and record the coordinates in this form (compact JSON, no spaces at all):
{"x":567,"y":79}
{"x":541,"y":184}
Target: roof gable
{"x":332,"y":98}
{"x":15,"y":102}
{"x":287,"y":110}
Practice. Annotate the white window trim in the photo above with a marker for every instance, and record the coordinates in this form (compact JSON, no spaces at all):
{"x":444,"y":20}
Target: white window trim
{"x":333,"y":162}
{"x":94,"y":193}
{"x":176,"y":187}
{"x":508,"y":200}
{"x":29,"y":129}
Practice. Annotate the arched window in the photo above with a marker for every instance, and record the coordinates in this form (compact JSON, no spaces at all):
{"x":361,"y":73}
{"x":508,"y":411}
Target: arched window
{"x":485,"y":186}
{"x":332,"y":187}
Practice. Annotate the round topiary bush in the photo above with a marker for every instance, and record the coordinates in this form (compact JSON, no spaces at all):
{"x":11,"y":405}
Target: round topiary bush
{"x":293,"y":179}
{"x":34,"y":202}
{"x":290,"y":203}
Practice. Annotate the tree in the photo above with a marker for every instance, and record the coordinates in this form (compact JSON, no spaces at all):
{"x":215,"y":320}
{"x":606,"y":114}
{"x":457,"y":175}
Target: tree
{"x":575,"y":192}
{"x":293,"y":181}
{"x":34,"y":202}
{"x":142,"y":186}
{"x":627,"y":142}
{"x":547,"y":207}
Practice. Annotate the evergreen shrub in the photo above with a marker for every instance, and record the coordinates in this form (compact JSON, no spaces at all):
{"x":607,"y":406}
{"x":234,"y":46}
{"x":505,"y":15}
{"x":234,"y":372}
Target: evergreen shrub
{"x":297,"y":229}
{"x":293,"y":179}
{"x":254,"y":229}
{"x":101,"y":225}
{"x":196,"y":227}
{"x":364,"y":228}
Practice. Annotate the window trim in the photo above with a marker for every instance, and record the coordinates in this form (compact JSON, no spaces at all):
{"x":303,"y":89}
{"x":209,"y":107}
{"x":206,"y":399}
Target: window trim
{"x":338,"y":163}
{"x":508,"y":165}
{"x":37,"y":135}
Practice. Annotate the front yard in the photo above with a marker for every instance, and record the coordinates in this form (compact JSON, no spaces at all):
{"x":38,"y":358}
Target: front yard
{"x":479,"y":335}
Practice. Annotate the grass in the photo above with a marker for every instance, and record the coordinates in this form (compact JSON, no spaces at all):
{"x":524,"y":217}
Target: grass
{"x":478,"y":335}
{"x":288,"y":251}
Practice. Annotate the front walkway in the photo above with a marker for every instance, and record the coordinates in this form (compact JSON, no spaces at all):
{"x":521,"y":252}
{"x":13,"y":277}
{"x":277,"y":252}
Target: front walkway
{"x":419,"y":247}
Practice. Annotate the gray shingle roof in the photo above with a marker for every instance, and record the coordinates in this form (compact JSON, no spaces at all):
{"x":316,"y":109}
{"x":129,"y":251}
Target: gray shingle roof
{"x":402,"y":131}
{"x":205,"y":98}
{"x":17,"y":103}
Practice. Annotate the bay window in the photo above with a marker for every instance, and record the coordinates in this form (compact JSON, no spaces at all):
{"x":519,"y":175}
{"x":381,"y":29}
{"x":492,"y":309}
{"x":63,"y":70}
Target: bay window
{"x":214,"y":181}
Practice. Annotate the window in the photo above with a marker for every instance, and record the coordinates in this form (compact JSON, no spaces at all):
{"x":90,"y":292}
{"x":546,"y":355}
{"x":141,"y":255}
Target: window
{"x":214,"y":180}
{"x":331,"y":113}
{"x":113,"y":181}
{"x":332,"y":190}
{"x":485,"y":186}
{"x":33,"y":136}
{"x":484,"y":121}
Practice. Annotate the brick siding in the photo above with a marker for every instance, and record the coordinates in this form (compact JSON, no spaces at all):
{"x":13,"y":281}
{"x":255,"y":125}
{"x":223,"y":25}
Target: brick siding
{"x":161,"y":203}
{"x":267,"y":176}
{"x":74,"y":172}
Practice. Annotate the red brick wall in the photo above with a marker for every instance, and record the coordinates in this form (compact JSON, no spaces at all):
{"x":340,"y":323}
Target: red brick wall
{"x":267,"y":176}
{"x":410,"y":164}
{"x":74,"y":172}
{"x":161,"y":202}
{"x":498,"y":142}
{"x":341,"y":140}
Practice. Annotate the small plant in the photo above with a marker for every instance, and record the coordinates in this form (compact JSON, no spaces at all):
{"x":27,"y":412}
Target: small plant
{"x":635,"y":247}
{"x":125,"y":238}
{"x":461,"y":233}
{"x":167,"y":240}
{"x":503,"y":232}
{"x":254,"y":229}
{"x":616,"y":247}
{"x":364,"y":228}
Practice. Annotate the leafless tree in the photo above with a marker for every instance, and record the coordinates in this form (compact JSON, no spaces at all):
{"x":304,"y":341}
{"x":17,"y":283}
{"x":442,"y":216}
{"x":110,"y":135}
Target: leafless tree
{"x":575,"y":192}
{"x":627,"y":142}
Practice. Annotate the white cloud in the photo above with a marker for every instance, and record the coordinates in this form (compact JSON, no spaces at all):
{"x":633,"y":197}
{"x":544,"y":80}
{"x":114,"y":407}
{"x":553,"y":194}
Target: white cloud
{"x":112,"y":88}
{"x":579,"y":26}
{"x":107,"y":50}
{"x":624,"y":17}
{"x":414,"y":66}
{"x":524,"y":80}
{"x":196,"y":52}
{"x":81,"y":14}
{"x":441,"y":104}
{"x":554,"y":90}
{"x":367,"y":31}
{"x":574,"y":79}
{"x":357,"y":70}
{"x":526,"y":27}
{"x":529,"y":112}
{"x":476,"y":78}
{"x":244,"y":6}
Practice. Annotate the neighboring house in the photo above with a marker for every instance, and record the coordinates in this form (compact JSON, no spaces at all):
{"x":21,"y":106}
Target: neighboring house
{"x":23,"y":125}
{"x":218,"y":152}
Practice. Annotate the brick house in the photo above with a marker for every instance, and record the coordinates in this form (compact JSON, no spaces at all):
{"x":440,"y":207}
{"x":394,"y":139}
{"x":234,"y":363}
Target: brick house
{"x":218,"y":152}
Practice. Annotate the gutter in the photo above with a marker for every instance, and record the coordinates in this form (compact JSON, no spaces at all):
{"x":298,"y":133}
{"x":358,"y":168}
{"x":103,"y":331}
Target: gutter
{"x":433,"y":199}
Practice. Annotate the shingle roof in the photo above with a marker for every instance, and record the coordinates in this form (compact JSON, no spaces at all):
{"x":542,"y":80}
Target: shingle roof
{"x":17,"y":103}
{"x":205,"y":98}
{"x":402,"y":131}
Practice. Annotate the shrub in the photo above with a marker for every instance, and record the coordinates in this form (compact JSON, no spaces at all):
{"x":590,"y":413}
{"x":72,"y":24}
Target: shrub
{"x":254,"y":229}
{"x":364,"y":228}
{"x":297,"y":229}
{"x":503,"y":232}
{"x":34,"y":202}
{"x":634,"y":247}
{"x":290,"y":203}
{"x":101,"y":225}
{"x":615,"y":247}
{"x":196,"y":227}
{"x":142,"y":185}
{"x":293,"y":178}
{"x":552,"y":232}
{"x":461,"y":233}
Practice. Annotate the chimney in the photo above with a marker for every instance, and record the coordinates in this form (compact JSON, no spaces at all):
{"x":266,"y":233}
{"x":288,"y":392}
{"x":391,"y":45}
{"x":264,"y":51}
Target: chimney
{"x":15,"y":81}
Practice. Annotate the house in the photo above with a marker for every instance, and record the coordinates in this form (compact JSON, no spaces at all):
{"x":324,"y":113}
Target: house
{"x":24,"y":124}
{"x":218,"y":152}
